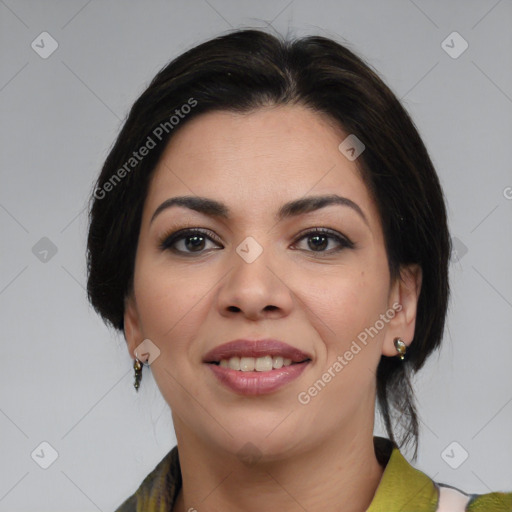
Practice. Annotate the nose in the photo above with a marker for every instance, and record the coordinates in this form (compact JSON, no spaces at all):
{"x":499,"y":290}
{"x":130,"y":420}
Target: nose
{"x":255,"y":290}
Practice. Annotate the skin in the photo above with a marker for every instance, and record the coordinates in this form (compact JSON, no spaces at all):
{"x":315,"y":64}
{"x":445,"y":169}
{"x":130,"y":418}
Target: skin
{"x":187,"y":305}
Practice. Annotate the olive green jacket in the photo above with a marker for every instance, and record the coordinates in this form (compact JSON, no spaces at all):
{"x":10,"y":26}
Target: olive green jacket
{"x":402,"y":489}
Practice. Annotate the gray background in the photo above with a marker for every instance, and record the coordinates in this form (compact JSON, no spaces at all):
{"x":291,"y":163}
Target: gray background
{"x":65,"y":379}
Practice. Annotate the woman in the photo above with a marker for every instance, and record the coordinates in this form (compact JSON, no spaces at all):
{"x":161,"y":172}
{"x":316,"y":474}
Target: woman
{"x":270,"y":235}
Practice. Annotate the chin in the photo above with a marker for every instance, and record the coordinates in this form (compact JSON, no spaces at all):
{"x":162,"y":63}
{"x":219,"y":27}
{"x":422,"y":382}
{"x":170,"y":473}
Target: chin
{"x":254,"y":436}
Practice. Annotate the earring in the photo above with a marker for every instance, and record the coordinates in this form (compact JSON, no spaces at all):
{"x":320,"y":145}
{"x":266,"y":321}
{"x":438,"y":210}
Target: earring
{"x":137,"y":366}
{"x":401,"y":348}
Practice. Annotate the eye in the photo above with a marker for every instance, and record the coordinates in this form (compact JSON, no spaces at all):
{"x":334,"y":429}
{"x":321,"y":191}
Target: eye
{"x":194,"y":241}
{"x":319,"y":239}
{"x":188,"y":241}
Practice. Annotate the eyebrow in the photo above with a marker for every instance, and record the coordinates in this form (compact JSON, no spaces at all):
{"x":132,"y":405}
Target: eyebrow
{"x":214,"y":208}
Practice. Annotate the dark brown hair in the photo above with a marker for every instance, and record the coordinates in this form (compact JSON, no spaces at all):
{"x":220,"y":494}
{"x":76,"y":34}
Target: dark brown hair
{"x":246,"y":70}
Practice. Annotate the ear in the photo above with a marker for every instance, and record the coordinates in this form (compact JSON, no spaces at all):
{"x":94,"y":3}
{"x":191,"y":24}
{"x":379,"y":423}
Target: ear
{"x":403,"y":299}
{"x":132,"y":327}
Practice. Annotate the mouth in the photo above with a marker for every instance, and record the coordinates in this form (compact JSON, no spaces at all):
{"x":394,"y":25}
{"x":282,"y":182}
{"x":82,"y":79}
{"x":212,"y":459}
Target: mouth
{"x":258,"y":364}
{"x":255,"y":355}
{"x":256,"y":367}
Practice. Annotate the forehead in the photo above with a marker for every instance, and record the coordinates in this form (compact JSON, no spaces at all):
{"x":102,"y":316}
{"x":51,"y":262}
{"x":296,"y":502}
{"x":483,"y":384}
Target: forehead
{"x":269,"y":155}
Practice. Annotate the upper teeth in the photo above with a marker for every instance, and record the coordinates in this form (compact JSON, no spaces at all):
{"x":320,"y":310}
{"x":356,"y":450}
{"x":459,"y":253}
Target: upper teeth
{"x":260,"y":364}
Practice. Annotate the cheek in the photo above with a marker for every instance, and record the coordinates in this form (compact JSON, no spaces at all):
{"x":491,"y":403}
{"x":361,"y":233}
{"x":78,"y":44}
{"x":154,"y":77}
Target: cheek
{"x":168,"y":301}
{"x":350,"y":308}
{"x":347,"y":302}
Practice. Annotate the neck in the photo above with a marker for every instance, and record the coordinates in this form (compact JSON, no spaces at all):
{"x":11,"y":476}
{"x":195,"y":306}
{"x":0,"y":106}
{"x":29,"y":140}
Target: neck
{"x":310,"y":480}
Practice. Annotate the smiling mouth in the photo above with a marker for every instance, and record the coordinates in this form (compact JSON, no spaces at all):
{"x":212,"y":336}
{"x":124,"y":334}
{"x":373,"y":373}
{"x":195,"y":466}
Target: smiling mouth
{"x":258,"y":364}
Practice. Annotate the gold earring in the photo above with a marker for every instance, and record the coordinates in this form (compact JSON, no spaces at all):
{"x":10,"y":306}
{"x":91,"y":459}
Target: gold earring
{"x":138,"y":373}
{"x":401,"y":348}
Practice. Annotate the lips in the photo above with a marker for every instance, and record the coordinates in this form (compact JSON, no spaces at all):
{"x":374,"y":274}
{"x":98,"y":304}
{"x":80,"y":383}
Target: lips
{"x":233,"y":363}
{"x":255,"y":348}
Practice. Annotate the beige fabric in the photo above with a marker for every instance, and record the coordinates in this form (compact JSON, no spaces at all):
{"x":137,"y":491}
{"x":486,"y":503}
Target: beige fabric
{"x":451,"y":500}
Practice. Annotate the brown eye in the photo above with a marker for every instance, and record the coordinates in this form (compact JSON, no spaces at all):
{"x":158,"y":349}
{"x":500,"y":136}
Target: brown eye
{"x":320,"y":239}
{"x":194,"y":242}
{"x":318,"y":242}
{"x":187,"y":241}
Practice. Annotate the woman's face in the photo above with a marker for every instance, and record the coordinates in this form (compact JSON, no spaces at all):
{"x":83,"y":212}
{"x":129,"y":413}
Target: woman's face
{"x":258,"y":270}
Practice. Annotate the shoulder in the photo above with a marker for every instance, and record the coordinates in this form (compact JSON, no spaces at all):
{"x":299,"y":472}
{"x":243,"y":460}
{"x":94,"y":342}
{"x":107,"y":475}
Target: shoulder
{"x":405,"y":488}
{"x":160,"y":485}
{"x":491,"y":502}
{"x":451,"y":499}
{"x":129,"y":505}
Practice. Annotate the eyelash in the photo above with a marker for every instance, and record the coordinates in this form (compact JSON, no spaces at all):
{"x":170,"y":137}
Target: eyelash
{"x":169,"y":239}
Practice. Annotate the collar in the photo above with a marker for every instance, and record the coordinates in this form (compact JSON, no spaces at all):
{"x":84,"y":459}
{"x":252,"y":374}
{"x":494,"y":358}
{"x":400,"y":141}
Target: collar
{"x":402,"y":488}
